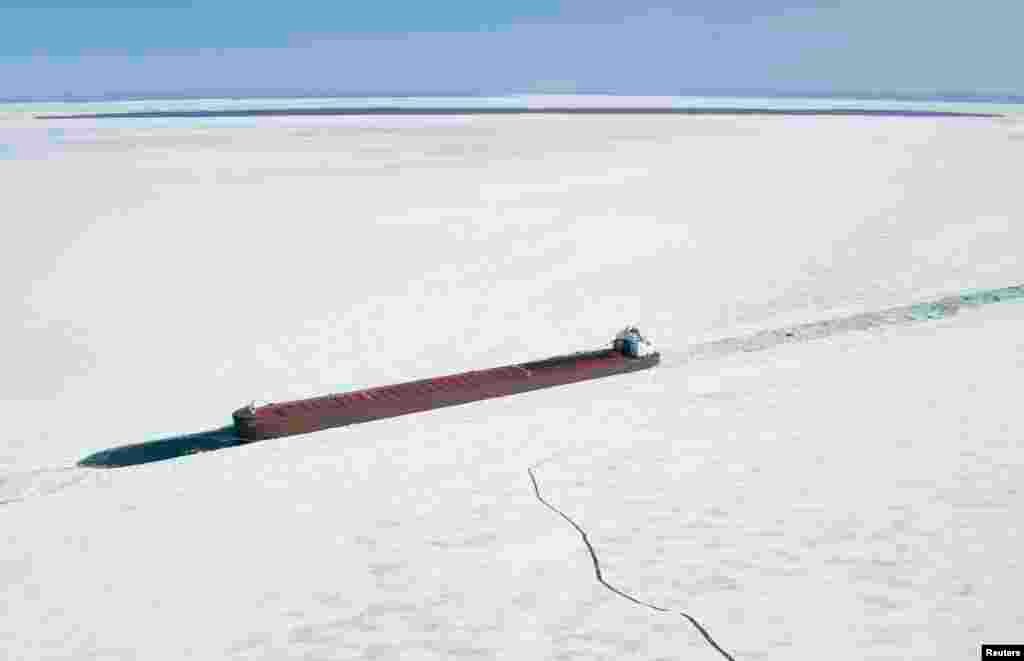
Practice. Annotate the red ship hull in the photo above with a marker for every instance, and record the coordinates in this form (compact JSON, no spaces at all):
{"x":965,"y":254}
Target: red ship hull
{"x":309,"y":415}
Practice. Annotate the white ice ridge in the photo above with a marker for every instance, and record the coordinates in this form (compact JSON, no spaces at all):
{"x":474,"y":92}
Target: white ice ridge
{"x":17,"y":487}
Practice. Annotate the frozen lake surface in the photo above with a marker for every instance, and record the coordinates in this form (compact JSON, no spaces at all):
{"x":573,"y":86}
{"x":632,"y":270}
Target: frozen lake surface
{"x":856,"y":493}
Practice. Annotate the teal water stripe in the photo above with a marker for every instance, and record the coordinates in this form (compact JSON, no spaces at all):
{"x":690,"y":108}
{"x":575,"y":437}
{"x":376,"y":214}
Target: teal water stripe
{"x":986,"y":296}
{"x":936,"y":310}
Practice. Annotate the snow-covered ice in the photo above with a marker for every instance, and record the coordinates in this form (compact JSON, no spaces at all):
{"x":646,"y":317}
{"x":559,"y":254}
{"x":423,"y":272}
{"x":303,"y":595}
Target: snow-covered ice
{"x":859,"y":493}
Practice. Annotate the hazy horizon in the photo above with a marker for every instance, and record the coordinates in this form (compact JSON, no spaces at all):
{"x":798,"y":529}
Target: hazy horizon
{"x":66,"y":50}
{"x":951,"y":96}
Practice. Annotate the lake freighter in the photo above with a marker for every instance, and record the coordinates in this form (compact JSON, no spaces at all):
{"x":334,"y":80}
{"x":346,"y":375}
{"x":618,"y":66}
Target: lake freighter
{"x":629,"y":354}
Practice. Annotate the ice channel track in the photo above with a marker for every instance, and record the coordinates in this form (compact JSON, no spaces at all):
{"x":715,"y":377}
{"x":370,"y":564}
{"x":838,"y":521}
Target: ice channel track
{"x":902,"y":315}
{"x":22,"y":485}
{"x":16,"y":487}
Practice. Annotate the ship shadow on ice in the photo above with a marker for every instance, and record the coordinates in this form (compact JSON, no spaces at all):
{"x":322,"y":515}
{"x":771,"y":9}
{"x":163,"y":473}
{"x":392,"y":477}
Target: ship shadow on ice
{"x":163,"y":449}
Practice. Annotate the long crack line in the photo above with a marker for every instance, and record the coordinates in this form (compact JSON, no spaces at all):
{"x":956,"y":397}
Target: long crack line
{"x":600,"y":577}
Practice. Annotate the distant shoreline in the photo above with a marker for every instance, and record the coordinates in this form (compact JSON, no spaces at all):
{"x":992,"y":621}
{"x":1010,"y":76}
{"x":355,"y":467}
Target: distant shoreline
{"x":356,"y":112}
{"x":245,"y":95}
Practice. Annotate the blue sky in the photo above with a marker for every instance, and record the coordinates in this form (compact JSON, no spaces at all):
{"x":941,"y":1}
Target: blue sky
{"x":53,"y":48}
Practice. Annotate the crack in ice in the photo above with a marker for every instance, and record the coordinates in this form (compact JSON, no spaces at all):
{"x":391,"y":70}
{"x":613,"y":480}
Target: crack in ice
{"x":600,"y":576}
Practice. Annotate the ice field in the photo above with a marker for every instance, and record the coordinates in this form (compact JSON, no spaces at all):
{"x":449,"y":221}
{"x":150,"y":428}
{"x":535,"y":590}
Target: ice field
{"x":857,"y":494}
